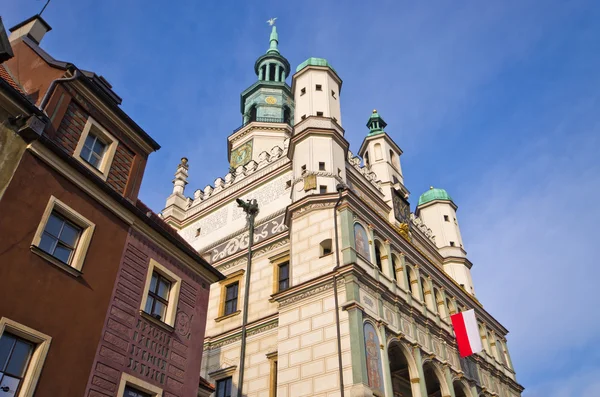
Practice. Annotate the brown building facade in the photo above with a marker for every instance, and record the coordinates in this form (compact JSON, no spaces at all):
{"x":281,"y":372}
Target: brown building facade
{"x":100,"y":296}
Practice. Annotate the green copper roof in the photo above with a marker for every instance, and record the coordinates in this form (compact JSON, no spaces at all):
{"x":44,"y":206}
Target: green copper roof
{"x":434,"y":194}
{"x":376,"y":124}
{"x":314,"y":62}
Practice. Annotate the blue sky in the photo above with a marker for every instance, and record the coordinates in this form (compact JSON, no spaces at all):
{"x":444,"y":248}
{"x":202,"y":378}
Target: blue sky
{"x":496,"y":101}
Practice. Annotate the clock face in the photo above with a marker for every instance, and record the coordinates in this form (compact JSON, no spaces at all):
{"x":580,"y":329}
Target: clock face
{"x":241,"y":155}
{"x":271,"y":100}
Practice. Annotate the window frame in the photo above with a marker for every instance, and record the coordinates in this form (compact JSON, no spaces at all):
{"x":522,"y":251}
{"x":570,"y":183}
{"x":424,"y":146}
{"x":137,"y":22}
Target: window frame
{"x":87,"y":230}
{"x":173,"y":300}
{"x":276,"y":262}
{"x":235,"y":277}
{"x":94,"y":128}
{"x":225,"y":379}
{"x":273,"y":361}
{"x":41,"y":344}
{"x":143,"y":386}
{"x":318,"y":87}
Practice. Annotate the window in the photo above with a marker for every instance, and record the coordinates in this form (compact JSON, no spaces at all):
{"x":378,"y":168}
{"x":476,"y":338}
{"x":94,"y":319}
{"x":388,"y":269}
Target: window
{"x":319,"y":114}
{"x":96,"y":148}
{"x":333,"y":94}
{"x":22,"y":354}
{"x":281,"y":271}
{"x":378,"y":258}
{"x":130,"y":386}
{"x":451,"y":243}
{"x":326,"y":247}
{"x":395,"y":267}
{"x":303,"y":117}
{"x":366,"y":159}
{"x":321,"y":166}
{"x":283,"y":276}
{"x":15,"y":354}
{"x":198,"y":231}
{"x":231,"y":298}
{"x":272,"y":357}
{"x":322,"y":189}
{"x":319,"y":87}
{"x":378,"y":152}
{"x":63,"y":237}
{"x":302,"y":91}
{"x":158,"y":296}
{"x":288,"y":184}
{"x":303,"y":168}
{"x":60,"y":238}
{"x":93,"y":150}
{"x":223,"y":387}
{"x":446,"y":219}
{"x":130,"y":391}
{"x":161,"y":294}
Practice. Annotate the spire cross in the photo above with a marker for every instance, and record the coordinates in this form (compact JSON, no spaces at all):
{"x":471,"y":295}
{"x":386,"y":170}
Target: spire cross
{"x":271,"y":21}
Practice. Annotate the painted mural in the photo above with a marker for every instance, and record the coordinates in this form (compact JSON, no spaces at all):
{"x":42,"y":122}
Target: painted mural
{"x":372,"y":348}
{"x":361,"y":241}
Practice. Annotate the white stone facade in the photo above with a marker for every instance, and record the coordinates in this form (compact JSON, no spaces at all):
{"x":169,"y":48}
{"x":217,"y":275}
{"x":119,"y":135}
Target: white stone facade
{"x":394,"y":279}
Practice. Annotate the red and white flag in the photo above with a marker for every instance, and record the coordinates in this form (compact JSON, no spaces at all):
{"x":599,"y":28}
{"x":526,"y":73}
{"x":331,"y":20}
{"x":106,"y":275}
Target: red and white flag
{"x":467,"y":333}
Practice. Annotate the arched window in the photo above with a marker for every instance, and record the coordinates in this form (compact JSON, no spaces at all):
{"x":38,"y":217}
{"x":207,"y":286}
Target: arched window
{"x":501,"y":353}
{"x":253,"y":113}
{"x":366,"y":159}
{"x":484,"y":340}
{"x":394,"y":159}
{"x":326,"y":247}
{"x":287,"y":115}
{"x":395,"y":264}
{"x":361,"y":241}
{"x":378,"y":256}
{"x":378,"y":152}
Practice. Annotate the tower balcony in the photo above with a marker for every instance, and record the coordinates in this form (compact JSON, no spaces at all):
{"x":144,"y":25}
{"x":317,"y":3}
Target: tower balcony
{"x":277,"y":120}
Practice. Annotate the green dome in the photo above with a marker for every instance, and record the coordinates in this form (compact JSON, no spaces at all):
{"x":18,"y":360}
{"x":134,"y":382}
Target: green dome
{"x":314,"y":62}
{"x":434,"y":194}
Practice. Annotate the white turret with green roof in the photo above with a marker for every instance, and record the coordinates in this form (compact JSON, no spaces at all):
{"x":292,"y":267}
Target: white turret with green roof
{"x":438,"y":211}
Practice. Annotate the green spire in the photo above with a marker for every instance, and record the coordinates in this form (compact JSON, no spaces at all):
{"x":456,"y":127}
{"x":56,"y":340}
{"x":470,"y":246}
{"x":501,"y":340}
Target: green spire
{"x":274,"y":40}
{"x":376,"y":124}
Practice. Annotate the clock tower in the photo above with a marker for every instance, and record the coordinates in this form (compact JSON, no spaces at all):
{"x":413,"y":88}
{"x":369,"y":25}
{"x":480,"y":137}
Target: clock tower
{"x":267,"y":108}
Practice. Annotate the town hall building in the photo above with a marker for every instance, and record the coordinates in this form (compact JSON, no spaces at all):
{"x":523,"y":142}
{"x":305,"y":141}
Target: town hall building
{"x":350,"y":293}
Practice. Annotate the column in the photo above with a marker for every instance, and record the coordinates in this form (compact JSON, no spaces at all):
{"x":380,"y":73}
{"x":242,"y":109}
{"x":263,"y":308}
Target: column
{"x":283,"y":76}
{"x":448,"y":377}
{"x":419,"y":286}
{"x":276,"y":72}
{"x":385,"y":362}
{"x":346,"y":226}
{"x":418,"y":385}
{"x":387,"y":259}
{"x":260,"y":72}
{"x":268,"y":72}
{"x":357,"y":349}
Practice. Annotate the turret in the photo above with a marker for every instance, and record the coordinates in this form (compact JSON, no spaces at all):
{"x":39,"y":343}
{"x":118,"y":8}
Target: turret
{"x":382,"y":155}
{"x":438,"y":211}
{"x":177,"y":202}
{"x":316,"y":88}
{"x":317,"y":149}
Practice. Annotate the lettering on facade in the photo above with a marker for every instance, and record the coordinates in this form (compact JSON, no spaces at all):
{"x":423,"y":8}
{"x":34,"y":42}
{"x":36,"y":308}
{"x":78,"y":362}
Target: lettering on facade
{"x":207,"y":225}
{"x":264,"y":196}
{"x":238,"y":243}
{"x":149,"y":351}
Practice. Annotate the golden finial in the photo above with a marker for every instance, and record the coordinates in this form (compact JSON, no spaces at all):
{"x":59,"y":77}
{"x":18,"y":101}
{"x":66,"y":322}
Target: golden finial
{"x":430,"y":187}
{"x":374,"y":110}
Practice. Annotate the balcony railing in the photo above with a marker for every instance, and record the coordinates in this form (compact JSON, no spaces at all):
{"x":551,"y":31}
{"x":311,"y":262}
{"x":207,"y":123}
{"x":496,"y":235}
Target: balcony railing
{"x":264,"y":120}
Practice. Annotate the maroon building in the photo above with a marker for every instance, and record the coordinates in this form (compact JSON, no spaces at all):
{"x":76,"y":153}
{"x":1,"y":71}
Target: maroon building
{"x":99,"y":296}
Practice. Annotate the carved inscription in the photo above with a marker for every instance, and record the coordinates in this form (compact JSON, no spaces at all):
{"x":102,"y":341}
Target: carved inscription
{"x":149,"y":351}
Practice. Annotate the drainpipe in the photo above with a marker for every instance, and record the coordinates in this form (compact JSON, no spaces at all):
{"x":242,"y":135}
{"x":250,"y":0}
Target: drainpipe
{"x":340,"y":188}
{"x":251,"y":209}
{"x":50,"y":89}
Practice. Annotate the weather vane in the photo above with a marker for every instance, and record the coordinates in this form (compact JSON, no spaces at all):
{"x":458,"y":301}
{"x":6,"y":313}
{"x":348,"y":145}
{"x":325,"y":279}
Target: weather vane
{"x":271,"y":21}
